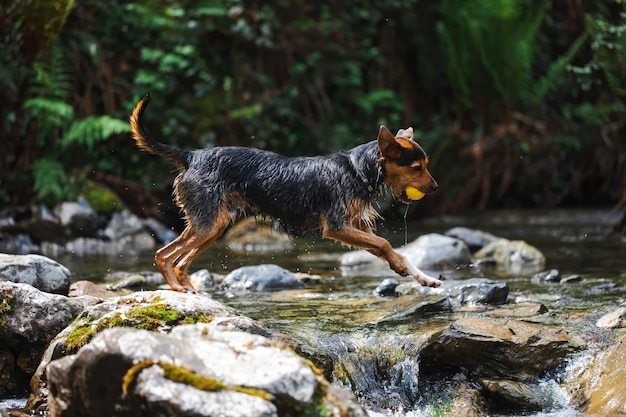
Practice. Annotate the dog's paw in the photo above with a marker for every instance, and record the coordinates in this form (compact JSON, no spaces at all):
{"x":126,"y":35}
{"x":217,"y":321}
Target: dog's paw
{"x":428,"y":281}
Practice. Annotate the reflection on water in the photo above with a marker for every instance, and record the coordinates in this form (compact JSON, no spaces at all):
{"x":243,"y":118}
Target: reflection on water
{"x":339,"y":311}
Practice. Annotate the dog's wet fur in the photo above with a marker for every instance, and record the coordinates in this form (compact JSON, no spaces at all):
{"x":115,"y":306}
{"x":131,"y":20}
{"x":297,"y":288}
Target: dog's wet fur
{"x":333,"y":193}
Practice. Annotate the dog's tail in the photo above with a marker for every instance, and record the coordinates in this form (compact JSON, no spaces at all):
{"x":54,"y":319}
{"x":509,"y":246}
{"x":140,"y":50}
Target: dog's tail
{"x":178,"y":156}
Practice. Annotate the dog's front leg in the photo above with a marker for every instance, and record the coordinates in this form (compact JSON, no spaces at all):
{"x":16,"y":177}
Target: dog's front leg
{"x":381,"y":248}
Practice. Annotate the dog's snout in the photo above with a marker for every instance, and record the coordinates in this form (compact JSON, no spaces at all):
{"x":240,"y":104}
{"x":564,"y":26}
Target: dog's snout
{"x":434,"y":186}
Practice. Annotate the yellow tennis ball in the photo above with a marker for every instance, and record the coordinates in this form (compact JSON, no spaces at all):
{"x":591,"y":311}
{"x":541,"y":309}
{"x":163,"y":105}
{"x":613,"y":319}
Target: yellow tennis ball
{"x":413,"y":193}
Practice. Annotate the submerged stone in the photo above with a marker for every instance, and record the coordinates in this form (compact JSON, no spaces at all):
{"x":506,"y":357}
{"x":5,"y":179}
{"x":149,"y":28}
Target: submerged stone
{"x":515,"y":395}
{"x":498,"y":349}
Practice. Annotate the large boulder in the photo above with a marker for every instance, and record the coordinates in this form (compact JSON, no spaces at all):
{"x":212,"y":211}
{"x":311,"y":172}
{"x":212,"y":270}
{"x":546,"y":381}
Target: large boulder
{"x":149,"y":310}
{"x":600,"y":389}
{"x":196,"y":370}
{"x":29,"y":320}
{"x":498,"y":349}
{"x":36,"y":270}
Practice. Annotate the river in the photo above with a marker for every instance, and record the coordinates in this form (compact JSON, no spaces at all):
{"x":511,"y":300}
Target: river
{"x":338,"y":311}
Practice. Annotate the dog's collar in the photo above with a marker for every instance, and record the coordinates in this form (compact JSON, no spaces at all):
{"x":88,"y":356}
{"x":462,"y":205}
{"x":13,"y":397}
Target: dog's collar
{"x":371,"y":186}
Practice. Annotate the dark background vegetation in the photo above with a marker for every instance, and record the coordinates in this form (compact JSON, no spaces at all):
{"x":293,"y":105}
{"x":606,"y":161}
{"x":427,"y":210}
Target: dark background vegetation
{"x":519,"y":103}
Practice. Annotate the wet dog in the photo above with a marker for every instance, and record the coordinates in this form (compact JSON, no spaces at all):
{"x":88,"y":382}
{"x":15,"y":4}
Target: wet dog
{"x":333,"y":193}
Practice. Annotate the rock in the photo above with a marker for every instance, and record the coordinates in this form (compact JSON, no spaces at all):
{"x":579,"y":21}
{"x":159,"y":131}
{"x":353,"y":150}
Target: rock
{"x":19,"y":244}
{"x":37,"y":223}
{"x":467,"y":402}
{"x":387,"y":288}
{"x":126,"y":246}
{"x":515,"y":395}
{"x":163,"y":234}
{"x":571,"y":279}
{"x":519,"y":311}
{"x":88,"y":288}
{"x":131,"y":282}
{"x":29,"y":320}
{"x":79,"y":217}
{"x":261,"y":278}
{"x":123,"y":223}
{"x":474,"y":239}
{"x":151,"y":310}
{"x":471,"y":291}
{"x":498,"y":349}
{"x":36,"y":270}
{"x":252,"y":234}
{"x":202,"y":280}
{"x":614,"y":319}
{"x":601,"y":388}
{"x":428,"y":251}
{"x":153,"y":278}
{"x":552,"y":275}
{"x":513,"y":255}
{"x":199,"y":370}
{"x":411,"y":307}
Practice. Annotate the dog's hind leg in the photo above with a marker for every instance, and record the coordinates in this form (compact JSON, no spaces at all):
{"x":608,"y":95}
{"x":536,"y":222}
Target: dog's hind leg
{"x":200,"y":243}
{"x":175,"y":259}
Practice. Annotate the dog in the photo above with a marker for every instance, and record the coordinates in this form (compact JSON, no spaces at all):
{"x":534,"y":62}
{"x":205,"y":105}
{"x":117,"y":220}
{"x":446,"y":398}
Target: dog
{"x":334,"y":194}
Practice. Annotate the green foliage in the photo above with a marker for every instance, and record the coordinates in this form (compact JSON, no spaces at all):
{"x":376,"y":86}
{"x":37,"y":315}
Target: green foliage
{"x":88,"y":131}
{"x":489,"y":47}
{"x":499,"y":91}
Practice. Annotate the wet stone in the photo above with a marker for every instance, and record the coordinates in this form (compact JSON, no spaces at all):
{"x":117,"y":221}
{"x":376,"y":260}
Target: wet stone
{"x":614,"y":319}
{"x":39,"y":271}
{"x":551,"y":275}
{"x":498,"y":349}
{"x":526,"y":310}
{"x":261,"y":278}
{"x":516,"y":395}
{"x":513,"y":255}
{"x":472,"y":291}
{"x":474,"y":239}
{"x":387,"y":288}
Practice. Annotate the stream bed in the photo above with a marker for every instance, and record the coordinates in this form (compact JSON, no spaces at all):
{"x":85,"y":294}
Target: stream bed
{"x":373,"y":355}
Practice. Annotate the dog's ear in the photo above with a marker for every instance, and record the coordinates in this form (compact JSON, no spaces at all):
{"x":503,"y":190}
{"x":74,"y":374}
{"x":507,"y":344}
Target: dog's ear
{"x":405,"y":133}
{"x":388,"y":145}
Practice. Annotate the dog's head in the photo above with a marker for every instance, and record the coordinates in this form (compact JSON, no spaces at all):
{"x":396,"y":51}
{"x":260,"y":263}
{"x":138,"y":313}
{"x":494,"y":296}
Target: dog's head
{"x":405,"y":164}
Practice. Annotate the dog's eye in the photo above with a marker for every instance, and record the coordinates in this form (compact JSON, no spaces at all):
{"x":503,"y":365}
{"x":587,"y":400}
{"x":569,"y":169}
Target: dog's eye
{"x":417,"y":167}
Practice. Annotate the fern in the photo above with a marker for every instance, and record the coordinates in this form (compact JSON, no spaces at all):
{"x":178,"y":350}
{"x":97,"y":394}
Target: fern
{"x":52,"y":75}
{"x":49,"y":113}
{"x":558,"y":67}
{"x":93,"y":129}
{"x":49,"y":179}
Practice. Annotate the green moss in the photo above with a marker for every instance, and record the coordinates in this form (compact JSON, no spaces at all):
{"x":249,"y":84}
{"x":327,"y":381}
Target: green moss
{"x":152,"y":317}
{"x":201,"y":318}
{"x":131,"y":375}
{"x":185,"y":376}
{"x":79,"y":337}
{"x":6,"y":308}
{"x":101,"y":199}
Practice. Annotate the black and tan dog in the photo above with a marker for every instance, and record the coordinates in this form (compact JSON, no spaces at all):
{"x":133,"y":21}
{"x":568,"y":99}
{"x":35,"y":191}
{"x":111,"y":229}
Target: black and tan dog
{"x":333,"y":193}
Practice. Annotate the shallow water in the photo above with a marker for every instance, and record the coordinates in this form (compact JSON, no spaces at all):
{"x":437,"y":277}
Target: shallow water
{"x":338,"y":313}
